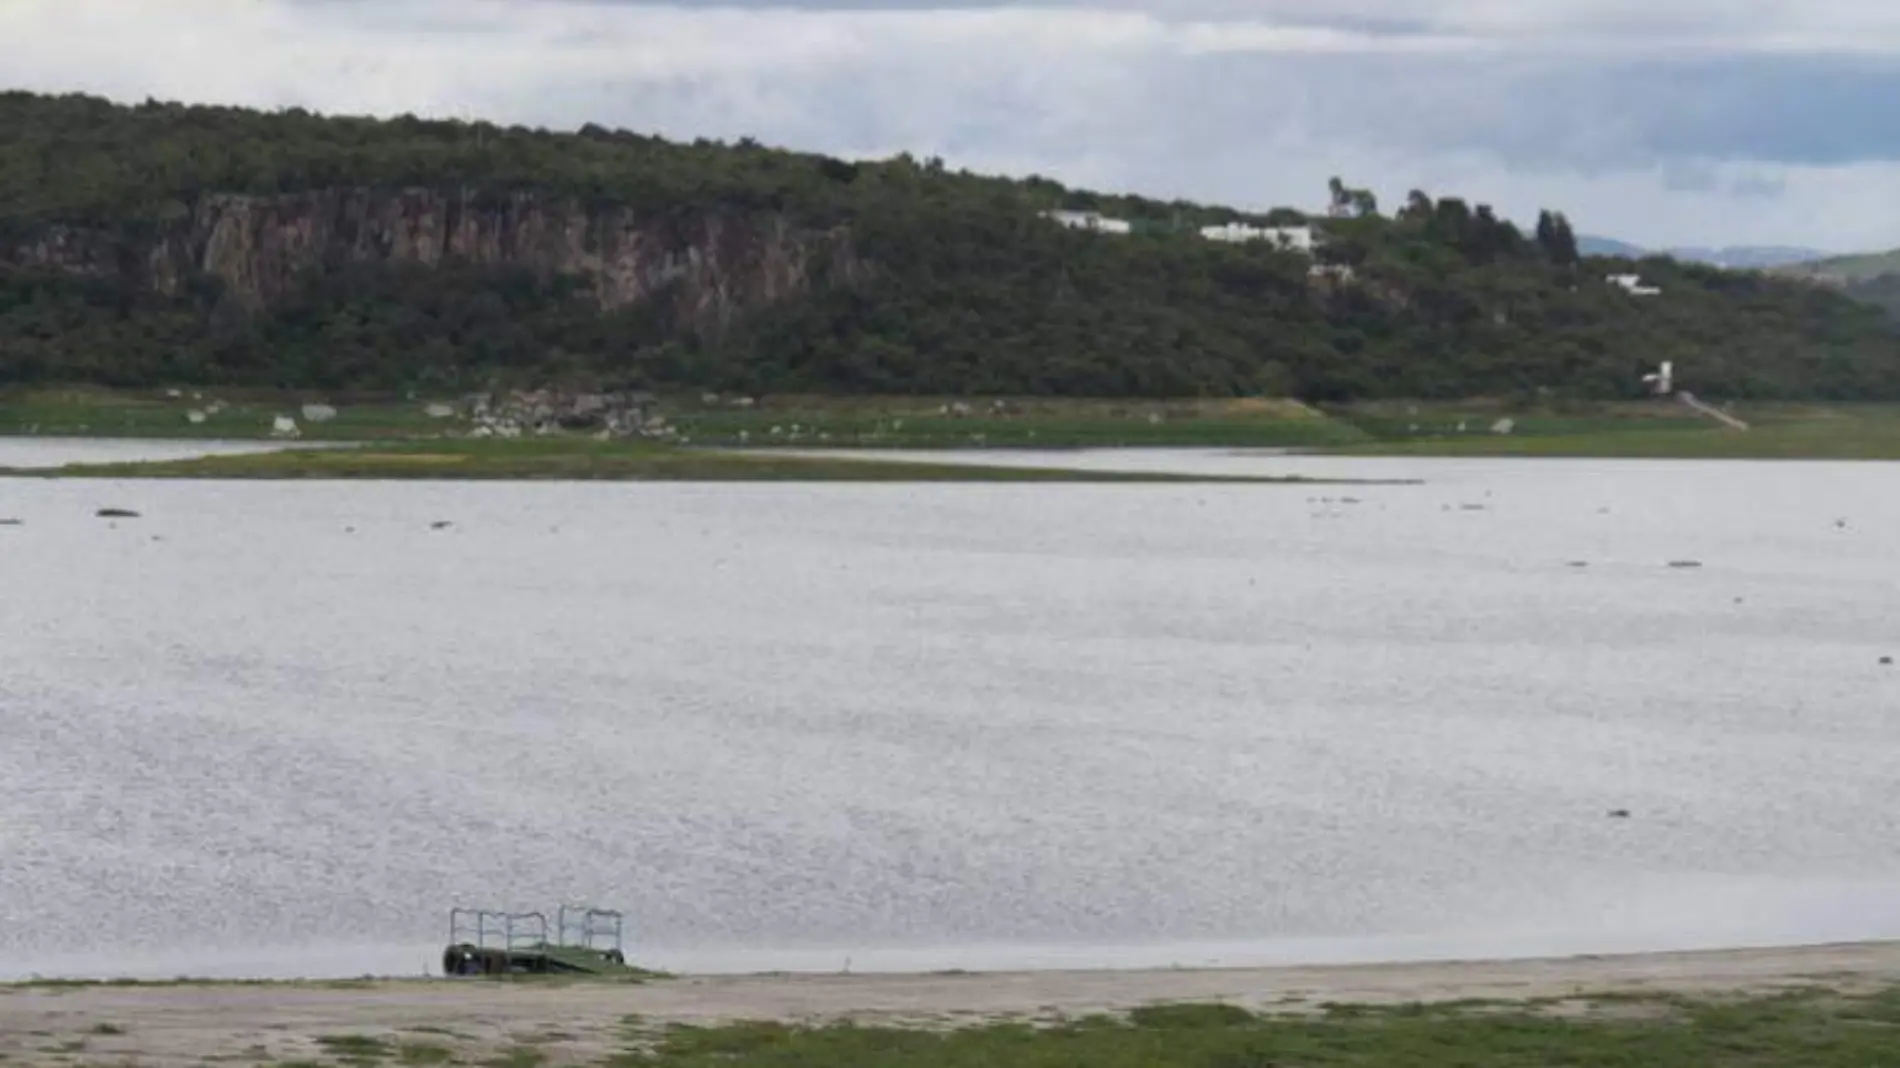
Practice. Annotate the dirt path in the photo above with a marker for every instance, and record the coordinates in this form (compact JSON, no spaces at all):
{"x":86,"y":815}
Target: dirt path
{"x":161,"y":1026}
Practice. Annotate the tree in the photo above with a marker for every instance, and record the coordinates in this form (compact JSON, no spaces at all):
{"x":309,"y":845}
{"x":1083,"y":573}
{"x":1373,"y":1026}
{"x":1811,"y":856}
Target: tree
{"x":1556,"y":239}
{"x":1340,"y":197}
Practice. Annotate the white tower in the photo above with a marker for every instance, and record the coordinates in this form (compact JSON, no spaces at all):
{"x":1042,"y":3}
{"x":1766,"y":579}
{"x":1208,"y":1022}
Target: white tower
{"x":1663,"y":381}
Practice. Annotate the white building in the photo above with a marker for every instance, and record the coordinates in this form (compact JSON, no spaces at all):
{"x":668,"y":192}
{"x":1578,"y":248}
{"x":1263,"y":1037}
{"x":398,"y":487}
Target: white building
{"x":1633,"y":284}
{"x":1297,"y":238}
{"x":1090,"y":220}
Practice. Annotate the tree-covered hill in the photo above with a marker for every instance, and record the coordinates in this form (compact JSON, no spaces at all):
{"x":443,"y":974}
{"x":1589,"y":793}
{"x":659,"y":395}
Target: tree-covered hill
{"x":1871,"y":277}
{"x":171,"y":244}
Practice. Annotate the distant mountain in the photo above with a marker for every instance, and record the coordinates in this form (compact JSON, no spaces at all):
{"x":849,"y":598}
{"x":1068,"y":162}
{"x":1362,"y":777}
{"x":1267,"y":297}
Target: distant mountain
{"x":1750,"y":257}
{"x":1738,"y":257}
{"x":1873,"y":277}
{"x":1844,"y":269}
{"x":1609,"y":246}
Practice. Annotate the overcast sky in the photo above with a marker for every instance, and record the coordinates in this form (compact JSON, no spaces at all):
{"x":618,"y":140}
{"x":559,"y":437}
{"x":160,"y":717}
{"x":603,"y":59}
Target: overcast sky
{"x":1658,"y":121}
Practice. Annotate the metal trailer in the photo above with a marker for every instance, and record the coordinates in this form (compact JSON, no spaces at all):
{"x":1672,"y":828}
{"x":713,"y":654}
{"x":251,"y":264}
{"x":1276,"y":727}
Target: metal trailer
{"x":586,"y":941}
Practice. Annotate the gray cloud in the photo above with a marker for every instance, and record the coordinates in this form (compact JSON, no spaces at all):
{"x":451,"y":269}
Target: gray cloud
{"x":1744,"y":120}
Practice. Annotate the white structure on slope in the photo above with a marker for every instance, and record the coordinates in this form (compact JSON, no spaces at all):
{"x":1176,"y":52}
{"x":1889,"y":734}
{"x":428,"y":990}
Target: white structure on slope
{"x":1296,"y":238}
{"x":1632,"y":284}
{"x":1090,"y":220}
{"x":1663,"y":381}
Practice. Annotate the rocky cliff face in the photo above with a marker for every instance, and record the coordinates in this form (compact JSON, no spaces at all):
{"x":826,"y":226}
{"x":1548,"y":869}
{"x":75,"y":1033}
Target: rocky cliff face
{"x":712,"y":266}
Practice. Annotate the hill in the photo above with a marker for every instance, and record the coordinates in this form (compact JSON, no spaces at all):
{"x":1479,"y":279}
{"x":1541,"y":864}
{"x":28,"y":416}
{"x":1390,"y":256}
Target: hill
{"x":165,"y":244}
{"x":1871,"y":277}
{"x":1747,"y":257}
{"x":1733,"y":257}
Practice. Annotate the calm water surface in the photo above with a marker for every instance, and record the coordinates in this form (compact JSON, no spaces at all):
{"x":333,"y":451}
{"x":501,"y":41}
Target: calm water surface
{"x":35,"y":452}
{"x":280,"y":728}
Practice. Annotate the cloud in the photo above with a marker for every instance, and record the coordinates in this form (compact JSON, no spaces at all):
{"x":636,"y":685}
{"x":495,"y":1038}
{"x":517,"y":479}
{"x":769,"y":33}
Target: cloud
{"x":1694,"y":121}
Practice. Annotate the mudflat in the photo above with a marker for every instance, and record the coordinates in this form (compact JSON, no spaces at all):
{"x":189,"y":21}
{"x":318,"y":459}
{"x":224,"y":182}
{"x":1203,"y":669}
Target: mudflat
{"x":582,"y":1022}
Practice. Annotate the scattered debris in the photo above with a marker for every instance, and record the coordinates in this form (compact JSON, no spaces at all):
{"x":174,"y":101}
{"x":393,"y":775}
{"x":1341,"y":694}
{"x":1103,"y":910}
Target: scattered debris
{"x":439,"y":411}
{"x":743,"y":402}
{"x":1471,"y":507}
{"x":1579,"y":563}
{"x":440,"y":524}
{"x":318,"y":413}
{"x":1619,"y":813}
{"x":174,"y":394}
{"x":349,"y":530}
{"x":1683,"y":565}
{"x":543,"y":412}
{"x":116,"y":513}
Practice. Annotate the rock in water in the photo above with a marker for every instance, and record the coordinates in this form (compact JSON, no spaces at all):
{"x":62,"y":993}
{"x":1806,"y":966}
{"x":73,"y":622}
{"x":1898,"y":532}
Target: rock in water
{"x":116,"y":513}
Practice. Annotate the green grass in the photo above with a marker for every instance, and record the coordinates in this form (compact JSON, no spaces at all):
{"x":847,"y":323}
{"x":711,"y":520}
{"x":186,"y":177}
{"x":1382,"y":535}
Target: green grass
{"x":1814,"y":1030}
{"x":386,"y":426}
{"x":1777,"y":432}
{"x":585,"y":459}
{"x":354,"y":1045}
{"x":419,"y":1054}
{"x":873,"y":422}
{"x":1008,"y":422}
{"x":244,"y":415}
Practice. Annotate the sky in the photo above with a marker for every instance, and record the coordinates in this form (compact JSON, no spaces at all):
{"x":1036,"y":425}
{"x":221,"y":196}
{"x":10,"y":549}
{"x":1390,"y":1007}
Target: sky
{"x":1664,"y":122}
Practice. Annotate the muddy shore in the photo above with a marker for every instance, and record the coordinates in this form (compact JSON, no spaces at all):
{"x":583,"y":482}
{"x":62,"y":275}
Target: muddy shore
{"x":577,"y":1022}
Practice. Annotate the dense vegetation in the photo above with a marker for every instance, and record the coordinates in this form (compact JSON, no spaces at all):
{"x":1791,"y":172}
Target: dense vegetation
{"x":971,"y":292}
{"x":1871,"y":277}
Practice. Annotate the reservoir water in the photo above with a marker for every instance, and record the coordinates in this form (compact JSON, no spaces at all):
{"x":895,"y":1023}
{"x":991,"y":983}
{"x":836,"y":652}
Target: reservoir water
{"x":280,"y":728}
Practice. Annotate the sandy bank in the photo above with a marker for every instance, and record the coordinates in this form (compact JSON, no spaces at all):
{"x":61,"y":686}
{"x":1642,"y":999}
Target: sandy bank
{"x":183,"y":1024}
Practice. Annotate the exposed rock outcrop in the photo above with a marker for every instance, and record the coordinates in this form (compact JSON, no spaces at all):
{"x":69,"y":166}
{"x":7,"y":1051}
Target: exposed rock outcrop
{"x":711,"y":266}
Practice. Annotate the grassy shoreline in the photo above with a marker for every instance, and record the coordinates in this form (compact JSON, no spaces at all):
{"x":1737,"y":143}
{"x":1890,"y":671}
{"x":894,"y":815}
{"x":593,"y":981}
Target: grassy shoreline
{"x":1816,"y":1026}
{"x":1653,"y":429}
{"x":1819,"y":1006}
{"x":567,"y":459}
